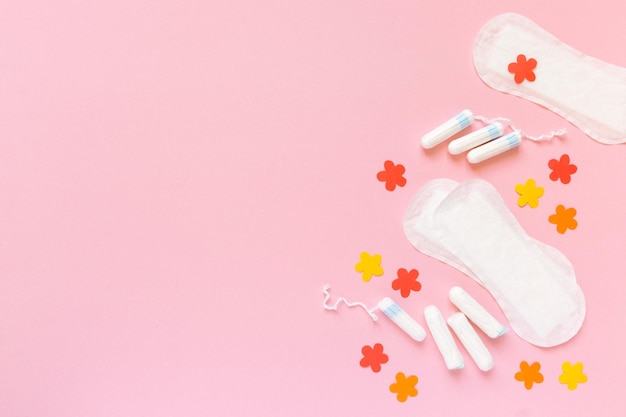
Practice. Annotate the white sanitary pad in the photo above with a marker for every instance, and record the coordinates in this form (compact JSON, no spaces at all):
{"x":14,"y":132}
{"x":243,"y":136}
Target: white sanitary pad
{"x":469,"y":227}
{"x":586,"y":91}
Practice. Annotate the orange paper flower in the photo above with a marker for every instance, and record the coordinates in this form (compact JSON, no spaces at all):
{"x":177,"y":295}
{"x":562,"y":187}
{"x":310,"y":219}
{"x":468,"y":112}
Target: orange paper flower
{"x":564,"y":218}
{"x":562,"y":169}
{"x":406,"y":282}
{"x":529,"y":374}
{"x":373,"y":357}
{"x":392,"y":176}
{"x":404,"y":387}
{"x":523,"y":69}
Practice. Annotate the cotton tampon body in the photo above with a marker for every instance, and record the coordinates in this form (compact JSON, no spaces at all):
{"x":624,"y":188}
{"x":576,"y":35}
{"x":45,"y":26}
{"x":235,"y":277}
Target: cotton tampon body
{"x":476,"y":313}
{"x":448,"y":129}
{"x":471,"y":341}
{"x":402,"y":319}
{"x":476,"y":138}
{"x":495,"y":147}
{"x":443,"y":338}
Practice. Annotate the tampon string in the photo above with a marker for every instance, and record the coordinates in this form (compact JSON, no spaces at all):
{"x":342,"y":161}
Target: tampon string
{"x":346,"y":302}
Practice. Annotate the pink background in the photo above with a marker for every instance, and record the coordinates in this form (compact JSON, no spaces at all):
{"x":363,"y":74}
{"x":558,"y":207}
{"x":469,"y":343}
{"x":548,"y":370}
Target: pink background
{"x":179,"y":179}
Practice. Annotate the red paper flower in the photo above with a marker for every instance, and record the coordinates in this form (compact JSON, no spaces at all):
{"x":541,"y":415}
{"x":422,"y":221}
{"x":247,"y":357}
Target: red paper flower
{"x":406,"y":282}
{"x":562,"y":169}
{"x":373,"y":357}
{"x":392,"y":176}
{"x":523,"y":69}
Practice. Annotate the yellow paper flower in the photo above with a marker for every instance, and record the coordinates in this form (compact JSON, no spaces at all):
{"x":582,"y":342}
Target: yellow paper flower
{"x":369,"y":265}
{"x":529,"y":193}
{"x":404,"y":387}
{"x":572,"y":375}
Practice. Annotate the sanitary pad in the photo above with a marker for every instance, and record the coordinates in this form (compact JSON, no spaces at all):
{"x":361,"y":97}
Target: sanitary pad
{"x":514,"y":55}
{"x":469,"y":227}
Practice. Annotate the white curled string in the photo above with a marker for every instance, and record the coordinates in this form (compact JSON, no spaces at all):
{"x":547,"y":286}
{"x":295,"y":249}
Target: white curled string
{"x":357,"y":304}
{"x":550,"y":136}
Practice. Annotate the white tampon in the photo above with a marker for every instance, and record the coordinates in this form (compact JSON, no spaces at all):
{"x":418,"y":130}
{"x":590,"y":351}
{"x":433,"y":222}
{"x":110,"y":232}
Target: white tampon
{"x":470,"y":339}
{"x":443,"y":338}
{"x":476,"y":313}
{"x":495,"y":147}
{"x":476,"y":138}
{"x":402,"y":319}
{"x":448,"y":129}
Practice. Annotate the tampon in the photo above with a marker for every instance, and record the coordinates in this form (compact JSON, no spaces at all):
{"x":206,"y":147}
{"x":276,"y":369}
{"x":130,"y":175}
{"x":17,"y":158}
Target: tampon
{"x":471,"y":341}
{"x":476,"y":313}
{"x":495,"y":147}
{"x":448,"y":129}
{"x":402,"y":319}
{"x":443,"y":338}
{"x":476,"y":138}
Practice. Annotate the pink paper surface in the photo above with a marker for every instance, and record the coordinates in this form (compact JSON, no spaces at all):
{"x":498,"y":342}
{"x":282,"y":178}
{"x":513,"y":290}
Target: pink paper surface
{"x":179,"y":180}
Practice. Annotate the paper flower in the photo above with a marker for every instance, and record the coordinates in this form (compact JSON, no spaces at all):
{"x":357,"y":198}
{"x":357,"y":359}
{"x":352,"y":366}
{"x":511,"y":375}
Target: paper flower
{"x":529,"y":193}
{"x":404,"y":387}
{"x":562,"y":169}
{"x":369,"y":265}
{"x":529,"y":374}
{"x":373,"y":357}
{"x":564,"y":219}
{"x":406,"y":282}
{"x":523,"y":69}
{"x":392,"y":176}
{"x":572,"y":375}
